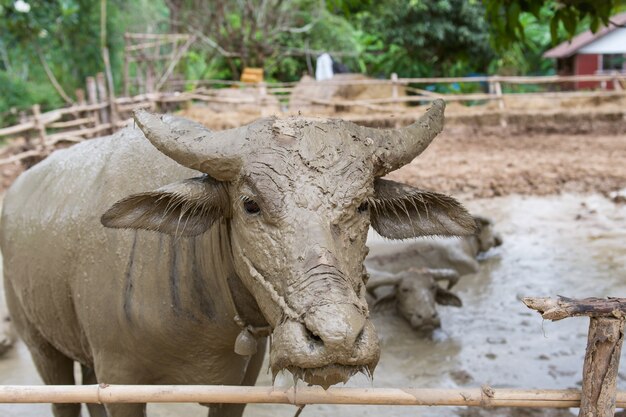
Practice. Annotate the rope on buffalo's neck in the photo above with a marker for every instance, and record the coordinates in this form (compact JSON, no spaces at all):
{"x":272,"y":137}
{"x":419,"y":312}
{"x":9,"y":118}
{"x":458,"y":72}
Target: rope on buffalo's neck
{"x":287,"y":310}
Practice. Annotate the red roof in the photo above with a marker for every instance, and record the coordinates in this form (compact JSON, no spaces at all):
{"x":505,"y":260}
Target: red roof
{"x":569,"y":48}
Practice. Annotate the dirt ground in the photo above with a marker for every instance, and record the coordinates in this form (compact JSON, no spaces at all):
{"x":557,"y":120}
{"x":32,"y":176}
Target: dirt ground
{"x":572,"y":148}
{"x":474,"y":164}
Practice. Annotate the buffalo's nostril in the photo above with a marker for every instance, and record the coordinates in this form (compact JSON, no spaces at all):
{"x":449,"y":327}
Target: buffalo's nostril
{"x":434,"y":315}
{"x":313,"y":336}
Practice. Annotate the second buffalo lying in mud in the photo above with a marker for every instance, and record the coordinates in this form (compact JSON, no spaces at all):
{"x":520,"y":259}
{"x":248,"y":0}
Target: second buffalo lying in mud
{"x":415,"y":293}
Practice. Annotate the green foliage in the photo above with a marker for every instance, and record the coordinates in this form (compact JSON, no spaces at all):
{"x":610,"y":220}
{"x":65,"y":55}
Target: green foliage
{"x":67,"y":35}
{"x":505,"y":17}
{"x":424,"y":38}
{"x":19,"y":95}
{"x":410,"y":37}
{"x":527,"y":57}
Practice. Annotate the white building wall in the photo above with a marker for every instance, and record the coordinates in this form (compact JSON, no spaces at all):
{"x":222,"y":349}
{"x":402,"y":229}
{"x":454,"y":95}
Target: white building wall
{"x":613,"y":43}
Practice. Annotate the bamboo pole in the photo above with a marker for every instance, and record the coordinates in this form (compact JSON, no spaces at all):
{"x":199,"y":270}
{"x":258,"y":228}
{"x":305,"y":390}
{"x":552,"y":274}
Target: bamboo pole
{"x":209,"y":394}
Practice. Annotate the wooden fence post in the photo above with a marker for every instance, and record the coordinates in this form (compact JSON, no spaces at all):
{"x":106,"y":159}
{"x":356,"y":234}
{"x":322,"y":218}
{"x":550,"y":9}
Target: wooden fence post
{"x":604,"y":345}
{"x":102,"y":97}
{"x":394,"y":86}
{"x":39,"y":126}
{"x":92,"y":98}
{"x":263,"y":98}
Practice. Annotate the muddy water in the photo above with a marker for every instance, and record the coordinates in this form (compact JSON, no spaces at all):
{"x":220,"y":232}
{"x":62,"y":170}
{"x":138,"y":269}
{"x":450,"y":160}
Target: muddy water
{"x":569,"y":245}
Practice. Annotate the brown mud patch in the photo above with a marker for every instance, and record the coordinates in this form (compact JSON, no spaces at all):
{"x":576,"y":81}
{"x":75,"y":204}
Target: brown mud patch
{"x":474,"y":164}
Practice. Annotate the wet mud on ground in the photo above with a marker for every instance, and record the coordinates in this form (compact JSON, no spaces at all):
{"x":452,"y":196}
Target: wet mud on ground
{"x":571,"y":245}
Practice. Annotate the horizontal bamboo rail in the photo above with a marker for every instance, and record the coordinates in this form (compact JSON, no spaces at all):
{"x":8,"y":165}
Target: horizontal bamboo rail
{"x":478,"y":397}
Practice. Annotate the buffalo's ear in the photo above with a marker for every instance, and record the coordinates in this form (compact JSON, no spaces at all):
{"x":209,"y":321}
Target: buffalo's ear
{"x":398,"y":211}
{"x":184,"y":208}
{"x":447,"y":298}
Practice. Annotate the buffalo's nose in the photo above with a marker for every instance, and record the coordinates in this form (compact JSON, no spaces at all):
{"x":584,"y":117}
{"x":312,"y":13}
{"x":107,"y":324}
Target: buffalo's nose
{"x":497,"y":240}
{"x":339,"y":326}
{"x":419,"y":322}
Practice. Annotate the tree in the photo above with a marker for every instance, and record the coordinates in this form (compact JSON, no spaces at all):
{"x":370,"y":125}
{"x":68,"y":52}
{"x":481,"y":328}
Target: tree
{"x":504,"y":17}
{"x":424,"y":38}
{"x":274,"y":34}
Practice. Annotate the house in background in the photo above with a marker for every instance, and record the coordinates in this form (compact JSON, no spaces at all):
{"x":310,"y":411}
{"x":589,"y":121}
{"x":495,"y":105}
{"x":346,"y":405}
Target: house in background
{"x":589,"y":53}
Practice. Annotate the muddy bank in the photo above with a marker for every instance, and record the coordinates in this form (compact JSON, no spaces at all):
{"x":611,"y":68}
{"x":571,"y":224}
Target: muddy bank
{"x":570,"y":244}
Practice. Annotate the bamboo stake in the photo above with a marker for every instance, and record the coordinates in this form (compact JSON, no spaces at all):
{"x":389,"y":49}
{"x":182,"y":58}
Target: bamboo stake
{"x":479,"y":397}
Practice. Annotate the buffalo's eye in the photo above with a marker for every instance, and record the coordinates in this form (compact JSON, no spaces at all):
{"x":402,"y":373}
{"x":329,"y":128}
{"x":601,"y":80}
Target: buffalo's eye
{"x":363,"y":207}
{"x":251,"y":206}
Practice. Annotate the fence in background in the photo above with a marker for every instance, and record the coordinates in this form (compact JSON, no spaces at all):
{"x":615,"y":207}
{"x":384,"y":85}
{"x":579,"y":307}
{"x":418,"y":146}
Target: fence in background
{"x":97,"y":113}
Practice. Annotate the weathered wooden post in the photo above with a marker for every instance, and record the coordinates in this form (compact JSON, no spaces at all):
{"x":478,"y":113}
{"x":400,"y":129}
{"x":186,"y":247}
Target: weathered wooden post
{"x":604,"y":345}
{"x":103,"y":98}
{"x":39,"y":125}
{"x":394,"y":87}
{"x":262,"y":99}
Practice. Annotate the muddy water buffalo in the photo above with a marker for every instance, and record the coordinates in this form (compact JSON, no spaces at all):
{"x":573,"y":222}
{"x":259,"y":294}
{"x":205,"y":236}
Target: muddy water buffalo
{"x":416,"y":293}
{"x":152,"y":261}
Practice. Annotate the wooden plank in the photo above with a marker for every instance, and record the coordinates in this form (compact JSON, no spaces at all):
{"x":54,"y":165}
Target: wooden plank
{"x":76,"y":135}
{"x":71,"y":123}
{"x":12,"y":130}
{"x":562,"y":307}
{"x":102,"y":97}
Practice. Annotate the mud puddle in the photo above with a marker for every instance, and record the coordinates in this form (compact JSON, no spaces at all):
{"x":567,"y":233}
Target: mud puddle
{"x":569,"y":245}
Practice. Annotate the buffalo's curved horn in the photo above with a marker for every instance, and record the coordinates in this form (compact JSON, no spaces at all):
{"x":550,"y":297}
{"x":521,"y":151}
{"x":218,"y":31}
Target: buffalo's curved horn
{"x":380,"y":279}
{"x":444,"y":274}
{"x":193,"y":145}
{"x":398,"y":147}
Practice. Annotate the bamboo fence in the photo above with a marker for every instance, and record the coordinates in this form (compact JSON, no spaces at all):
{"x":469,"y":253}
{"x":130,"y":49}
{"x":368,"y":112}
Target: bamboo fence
{"x":209,"y":394}
{"x":101,"y":113}
{"x":598,"y":397}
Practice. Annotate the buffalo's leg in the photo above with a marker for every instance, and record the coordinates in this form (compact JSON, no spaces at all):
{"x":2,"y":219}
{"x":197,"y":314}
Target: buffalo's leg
{"x":126,"y":410}
{"x":249,"y":379}
{"x":54,"y":367}
{"x":111,"y":370}
{"x":89,"y":378}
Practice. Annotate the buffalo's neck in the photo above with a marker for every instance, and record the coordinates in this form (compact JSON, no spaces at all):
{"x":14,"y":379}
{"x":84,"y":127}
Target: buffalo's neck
{"x":215,"y":258}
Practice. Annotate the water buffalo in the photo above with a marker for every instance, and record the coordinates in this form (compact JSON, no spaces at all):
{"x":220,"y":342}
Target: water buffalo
{"x":7,"y":335}
{"x":459,"y":253}
{"x":416,"y":291}
{"x":210,"y":241}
